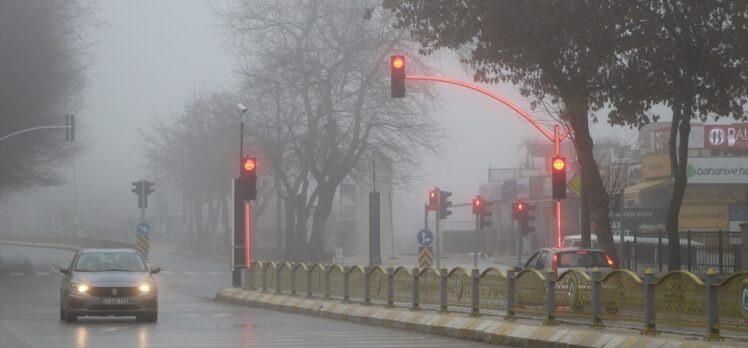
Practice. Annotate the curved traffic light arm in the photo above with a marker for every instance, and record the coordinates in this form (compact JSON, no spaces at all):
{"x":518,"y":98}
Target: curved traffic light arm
{"x":495,"y":97}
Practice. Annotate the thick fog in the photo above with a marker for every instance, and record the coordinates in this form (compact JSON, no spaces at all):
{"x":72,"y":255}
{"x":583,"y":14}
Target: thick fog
{"x":150,"y":58}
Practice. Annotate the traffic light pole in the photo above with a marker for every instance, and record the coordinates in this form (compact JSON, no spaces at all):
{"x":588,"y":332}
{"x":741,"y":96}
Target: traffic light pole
{"x":477,"y":240}
{"x":438,"y":242}
{"x":556,"y":137}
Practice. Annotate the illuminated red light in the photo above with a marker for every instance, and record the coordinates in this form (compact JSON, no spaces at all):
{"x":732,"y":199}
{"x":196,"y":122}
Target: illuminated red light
{"x":249,"y":164}
{"x":610,"y":261}
{"x":559,"y":164}
{"x":398,"y":62}
{"x":520,"y":207}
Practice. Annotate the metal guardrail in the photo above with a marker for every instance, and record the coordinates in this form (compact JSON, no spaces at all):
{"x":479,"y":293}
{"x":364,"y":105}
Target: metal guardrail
{"x":676,"y":298}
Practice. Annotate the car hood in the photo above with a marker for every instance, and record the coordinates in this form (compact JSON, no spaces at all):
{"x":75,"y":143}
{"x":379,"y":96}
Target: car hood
{"x":111,"y":278}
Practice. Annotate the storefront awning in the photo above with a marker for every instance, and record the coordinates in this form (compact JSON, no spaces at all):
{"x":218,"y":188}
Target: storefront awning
{"x":632,"y":192}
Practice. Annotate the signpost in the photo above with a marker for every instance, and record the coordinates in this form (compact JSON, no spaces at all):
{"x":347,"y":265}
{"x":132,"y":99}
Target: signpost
{"x":425,"y":252}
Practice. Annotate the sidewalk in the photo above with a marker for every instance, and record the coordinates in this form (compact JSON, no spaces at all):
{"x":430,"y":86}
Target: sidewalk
{"x":520,"y":333}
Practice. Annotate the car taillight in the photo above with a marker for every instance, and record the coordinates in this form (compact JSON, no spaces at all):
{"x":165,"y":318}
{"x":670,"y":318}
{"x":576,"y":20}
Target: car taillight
{"x":610,"y":261}
{"x":555,"y":263}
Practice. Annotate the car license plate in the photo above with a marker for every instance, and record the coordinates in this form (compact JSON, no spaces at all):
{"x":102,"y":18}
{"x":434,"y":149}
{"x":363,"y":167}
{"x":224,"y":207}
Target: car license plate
{"x":114,"y":300}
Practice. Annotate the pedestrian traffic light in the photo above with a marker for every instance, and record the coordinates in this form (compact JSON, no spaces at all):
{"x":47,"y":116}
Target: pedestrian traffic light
{"x":434,"y":200}
{"x":558,"y":170}
{"x":397,"y":70}
{"x":249,"y":178}
{"x":444,"y":204}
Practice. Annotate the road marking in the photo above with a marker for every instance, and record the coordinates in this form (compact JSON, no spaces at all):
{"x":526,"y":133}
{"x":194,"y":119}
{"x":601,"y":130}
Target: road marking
{"x":42,"y":273}
{"x":215,"y":273}
{"x":189,"y":273}
{"x":16,"y":273}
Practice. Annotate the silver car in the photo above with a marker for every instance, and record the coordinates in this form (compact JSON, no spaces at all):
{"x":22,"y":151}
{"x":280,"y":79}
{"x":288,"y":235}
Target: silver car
{"x":108,"y":282}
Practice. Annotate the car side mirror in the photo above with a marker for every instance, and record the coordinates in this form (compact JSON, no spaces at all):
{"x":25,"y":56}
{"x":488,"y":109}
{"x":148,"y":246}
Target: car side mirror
{"x":154,"y":268}
{"x":65,"y":270}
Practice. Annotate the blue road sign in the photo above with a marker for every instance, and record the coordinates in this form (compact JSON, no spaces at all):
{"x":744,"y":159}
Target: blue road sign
{"x":425,"y":237}
{"x":143,"y":228}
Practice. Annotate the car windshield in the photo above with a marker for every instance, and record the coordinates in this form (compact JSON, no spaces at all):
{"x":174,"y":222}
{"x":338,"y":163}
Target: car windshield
{"x":109,"y":261}
{"x":581,"y":258}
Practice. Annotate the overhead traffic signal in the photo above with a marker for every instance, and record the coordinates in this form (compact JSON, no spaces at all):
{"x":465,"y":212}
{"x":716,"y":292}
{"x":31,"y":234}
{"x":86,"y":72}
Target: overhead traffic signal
{"x":397,"y":71}
{"x":558,"y":171}
{"x":444,"y":204}
{"x":70,"y":130}
{"x":248,"y":178}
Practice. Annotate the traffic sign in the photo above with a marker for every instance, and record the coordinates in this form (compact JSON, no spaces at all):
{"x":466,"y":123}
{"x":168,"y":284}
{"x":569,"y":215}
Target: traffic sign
{"x":425,"y":237}
{"x":425,"y":257}
{"x":143,"y":228}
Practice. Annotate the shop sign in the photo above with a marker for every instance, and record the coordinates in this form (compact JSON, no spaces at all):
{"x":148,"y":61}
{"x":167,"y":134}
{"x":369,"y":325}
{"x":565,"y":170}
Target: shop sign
{"x":717,"y":170}
{"x":734,"y":136}
{"x":661,"y":138}
{"x":704,"y":216}
{"x":709,"y":194}
{"x":635,"y":217}
{"x":656,"y":166}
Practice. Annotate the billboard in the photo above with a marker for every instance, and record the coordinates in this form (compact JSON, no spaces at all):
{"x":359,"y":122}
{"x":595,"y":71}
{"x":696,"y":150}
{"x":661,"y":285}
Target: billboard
{"x":704,"y":216}
{"x":656,"y":166}
{"x":717,"y":170}
{"x":734,"y":136}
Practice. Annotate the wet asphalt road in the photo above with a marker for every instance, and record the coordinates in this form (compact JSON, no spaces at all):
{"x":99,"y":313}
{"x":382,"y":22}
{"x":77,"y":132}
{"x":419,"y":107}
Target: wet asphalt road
{"x":188,"y":317}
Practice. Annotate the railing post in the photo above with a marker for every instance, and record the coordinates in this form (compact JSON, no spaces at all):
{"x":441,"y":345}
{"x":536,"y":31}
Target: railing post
{"x":511,"y":276}
{"x":416,"y":275}
{"x":688,"y":233}
{"x":327,"y":270}
{"x":550,"y":298}
{"x":264,"y":279}
{"x":712,"y":331}
{"x":309,"y":272}
{"x":346,"y":285}
{"x":721,"y":252}
{"x":278,"y":279}
{"x":293,"y":279}
{"x":597,"y":322}
{"x":659,"y":249}
{"x":443,"y":303}
{"x":650,"y":328}
{"x":390,"y":287}
{"x":367,"y":295}
{"x":474,"y":293}
{"x":247,"y":278}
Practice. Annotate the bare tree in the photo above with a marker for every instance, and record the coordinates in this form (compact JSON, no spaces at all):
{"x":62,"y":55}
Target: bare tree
{"x":317,"y":75}
{"x":42,"y":71}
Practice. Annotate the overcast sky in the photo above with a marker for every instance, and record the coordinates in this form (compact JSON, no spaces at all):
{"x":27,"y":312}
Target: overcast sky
{"x":152,"y":56}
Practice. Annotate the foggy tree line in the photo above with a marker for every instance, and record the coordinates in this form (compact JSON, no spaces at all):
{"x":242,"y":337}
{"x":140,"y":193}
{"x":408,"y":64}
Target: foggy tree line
{"x":315,"y":79}
{"x":584,"y":56}
{"x":42,"y":75}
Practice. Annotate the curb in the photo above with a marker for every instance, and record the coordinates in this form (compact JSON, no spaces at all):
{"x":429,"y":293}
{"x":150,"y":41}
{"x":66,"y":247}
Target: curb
{"x":489,"y":330}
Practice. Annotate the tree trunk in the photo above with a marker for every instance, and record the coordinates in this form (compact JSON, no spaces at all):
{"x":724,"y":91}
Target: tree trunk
{"x":584,"y":216}
{"x":319,"y":224}
{"x":679,"y":128}
{"x":592,"y":183}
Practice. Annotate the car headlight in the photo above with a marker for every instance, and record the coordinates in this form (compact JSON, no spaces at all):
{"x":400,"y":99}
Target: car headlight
{"x":145,"y":288}
{"x":80,"y":288}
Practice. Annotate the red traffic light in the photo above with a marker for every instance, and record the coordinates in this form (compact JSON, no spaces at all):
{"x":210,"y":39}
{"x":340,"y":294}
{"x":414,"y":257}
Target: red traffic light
{"x":398,"y":62}
{"x":249,"y":164}
{"x":520,"y":206}
{"x":559,"y":163}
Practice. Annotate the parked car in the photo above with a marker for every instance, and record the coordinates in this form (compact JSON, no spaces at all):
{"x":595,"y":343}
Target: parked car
{"x":108,"y":282}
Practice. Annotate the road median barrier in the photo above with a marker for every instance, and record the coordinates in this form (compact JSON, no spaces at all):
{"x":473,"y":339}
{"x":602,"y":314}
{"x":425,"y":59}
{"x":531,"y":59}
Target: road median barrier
{"x":493,"y":330}
{"x":62,"y":242}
